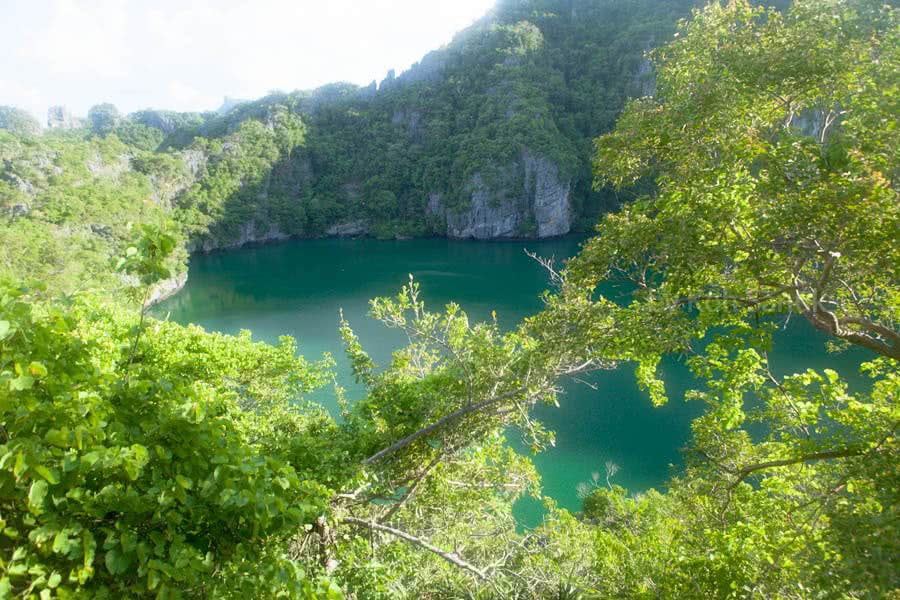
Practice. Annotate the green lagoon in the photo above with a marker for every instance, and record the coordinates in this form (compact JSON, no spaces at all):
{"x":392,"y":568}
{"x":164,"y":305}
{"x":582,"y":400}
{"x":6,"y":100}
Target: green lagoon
{"x":297,"y":288}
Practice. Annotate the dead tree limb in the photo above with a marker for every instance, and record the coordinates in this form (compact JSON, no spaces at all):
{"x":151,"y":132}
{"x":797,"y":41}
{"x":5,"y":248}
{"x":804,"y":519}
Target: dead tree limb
{"x":450,"y":557}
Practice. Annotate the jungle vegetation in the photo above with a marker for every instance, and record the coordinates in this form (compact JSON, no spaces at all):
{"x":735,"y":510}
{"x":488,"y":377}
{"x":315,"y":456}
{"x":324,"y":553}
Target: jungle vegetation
{"x":141,"y":458}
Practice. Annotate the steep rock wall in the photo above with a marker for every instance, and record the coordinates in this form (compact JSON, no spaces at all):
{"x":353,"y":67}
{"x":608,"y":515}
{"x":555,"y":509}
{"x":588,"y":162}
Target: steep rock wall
{"x":248,"y":233}
{"x":540,"y":207}
{"x":550,"y":196}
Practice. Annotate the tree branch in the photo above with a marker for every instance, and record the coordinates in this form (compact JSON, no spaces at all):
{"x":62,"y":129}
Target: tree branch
{"x":412,"y":487}
{"x":457,"y":414}
{"x":826,"y":273}
{"x":450,"y":557}
{"x":868,"y":325}
{"x":739,"y":299}
{"x":744,"y":472}
{"x":825,"y":320}
{"x":547,"y":263}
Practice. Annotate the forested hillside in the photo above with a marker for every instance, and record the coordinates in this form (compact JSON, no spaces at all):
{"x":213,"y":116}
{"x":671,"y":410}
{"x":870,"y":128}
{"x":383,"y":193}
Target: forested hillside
{"x":140,"y":458}
{"x":488,"y":137}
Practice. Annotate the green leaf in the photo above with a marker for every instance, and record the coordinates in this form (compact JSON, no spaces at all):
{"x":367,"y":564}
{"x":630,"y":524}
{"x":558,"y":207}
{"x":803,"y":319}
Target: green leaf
{"x":54,"y":580}
{"x":36,"y":495}
{"x":21,"y":383}
{"x":152,"y":579}
{"x":116,"y":562}
{"x":57,"y":438}
{"x":37,"y":369}
{"x":88,"y":546}
{"x":61,"y":543}
{"x":47,"y":474}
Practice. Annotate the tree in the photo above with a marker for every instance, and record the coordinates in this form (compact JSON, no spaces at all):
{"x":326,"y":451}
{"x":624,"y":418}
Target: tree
{"x":777,"y":171}
{"x":104,"y":118}
{"x":18,"y":121}
{"x":289,"y":129}
{"x":776,"y":193}
{"x":433,"y":470}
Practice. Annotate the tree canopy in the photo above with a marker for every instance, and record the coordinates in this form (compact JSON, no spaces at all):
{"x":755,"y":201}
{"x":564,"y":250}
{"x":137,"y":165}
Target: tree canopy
{"x":772,"y":143}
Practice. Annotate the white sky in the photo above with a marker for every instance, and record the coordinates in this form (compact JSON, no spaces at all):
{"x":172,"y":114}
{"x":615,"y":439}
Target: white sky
{"x":188,"y":54}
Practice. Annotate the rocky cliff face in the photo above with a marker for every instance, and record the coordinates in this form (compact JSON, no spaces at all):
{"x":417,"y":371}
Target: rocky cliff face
{"x":166,"y":289}
{"x":540,"y":207}
{"x":537,"y":206}
{"x":354,"y":228}
{"x":488,"y":215}
{"x":550,"y":197}
{"x":248,"y":233}
{"x":59,"y":117}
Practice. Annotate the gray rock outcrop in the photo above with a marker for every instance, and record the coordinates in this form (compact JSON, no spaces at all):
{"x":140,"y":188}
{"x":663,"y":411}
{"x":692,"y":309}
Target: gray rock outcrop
{"x":249,"y":233}
{"x":348,"y":228}
{"x":430,"y":68}
{"x":166,"y":288}
{"x":18,"y":210}
{"x":228,"y":104}
{"x":645,"y":78}
{"x":59,"y":117}
{"x":18,"y":121}
{"x":158,"y":119}
{"x":388,"y":81}
{"x":550,"y":196}
{"x":486,"y":217}
{"x":540,"y":208}
{"x":410,"y":120}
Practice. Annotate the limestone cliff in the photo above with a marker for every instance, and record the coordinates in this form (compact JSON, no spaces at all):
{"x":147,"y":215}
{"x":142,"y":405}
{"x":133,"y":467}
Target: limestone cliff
{"x":167,"y":288}
{"x":59,"y":117}
{"x":539,"y":207}
{"x":250,"y":232}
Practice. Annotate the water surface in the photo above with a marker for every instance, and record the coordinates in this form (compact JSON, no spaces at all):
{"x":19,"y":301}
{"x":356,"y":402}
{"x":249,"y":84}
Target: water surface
{"x":297,"y":288}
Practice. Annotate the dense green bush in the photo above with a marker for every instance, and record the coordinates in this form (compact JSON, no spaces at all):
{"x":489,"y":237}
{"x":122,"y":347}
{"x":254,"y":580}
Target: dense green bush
{"x":143,"y":460}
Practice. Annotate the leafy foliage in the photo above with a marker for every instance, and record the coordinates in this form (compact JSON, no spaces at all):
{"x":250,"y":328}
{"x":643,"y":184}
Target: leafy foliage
{"x":757,"y":215}
{"x":141,"y":458}
{"x":66,"y":204}
{"x":145,"y":463}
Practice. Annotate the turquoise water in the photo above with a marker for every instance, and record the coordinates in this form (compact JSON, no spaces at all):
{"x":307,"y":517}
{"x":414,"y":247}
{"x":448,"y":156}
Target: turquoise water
{"x":297,"y":288}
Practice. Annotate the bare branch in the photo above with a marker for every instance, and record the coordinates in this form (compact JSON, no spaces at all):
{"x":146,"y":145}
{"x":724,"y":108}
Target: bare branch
{"x":547,"y":263}
{"x":450,"y":557}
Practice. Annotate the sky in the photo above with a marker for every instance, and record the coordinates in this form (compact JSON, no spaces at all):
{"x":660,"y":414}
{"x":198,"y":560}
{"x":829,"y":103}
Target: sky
{"x":187,"y":55}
